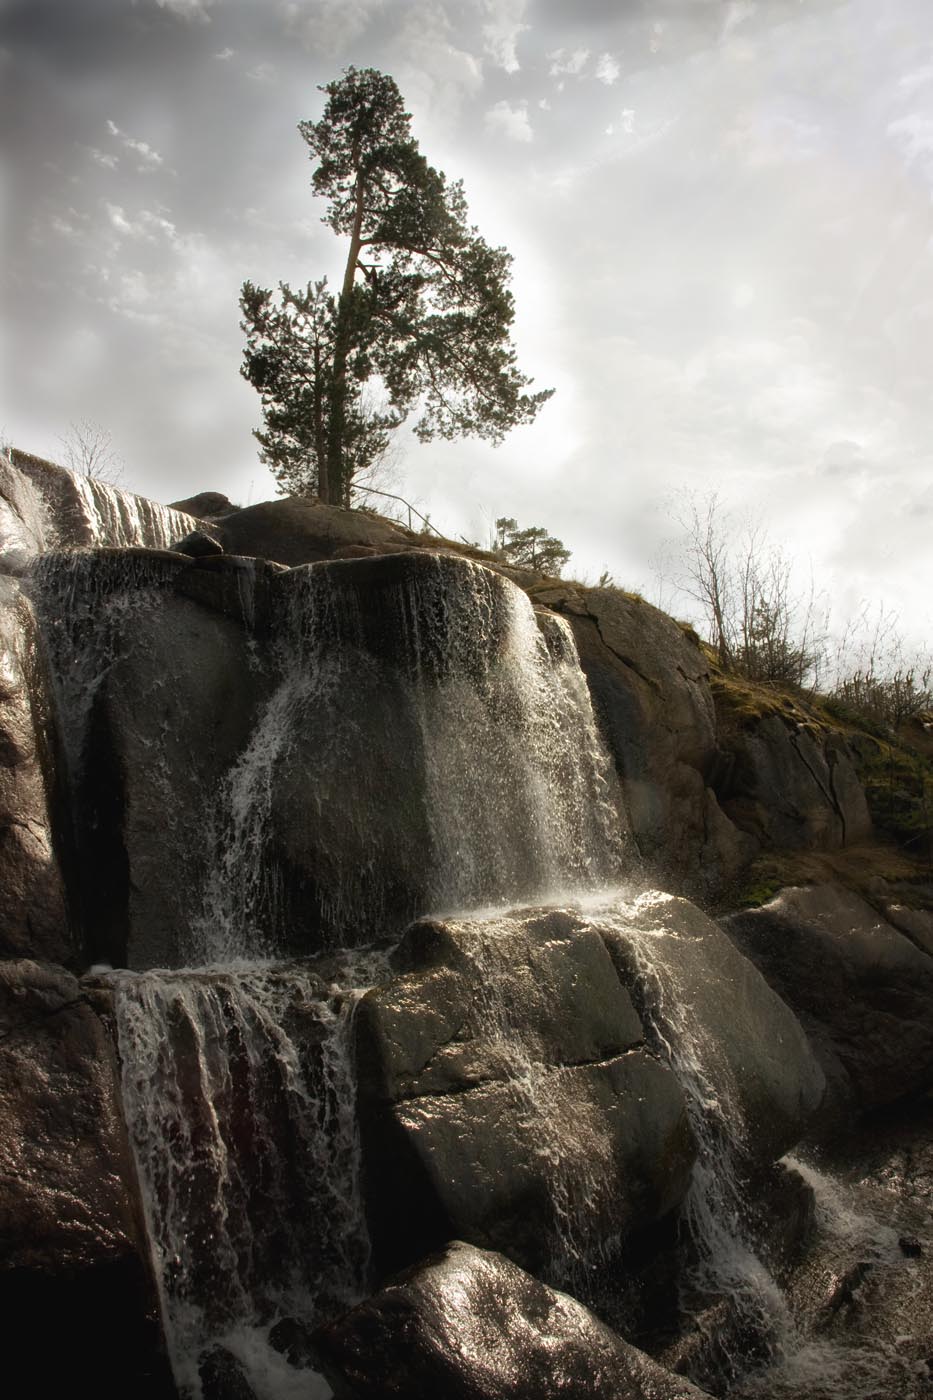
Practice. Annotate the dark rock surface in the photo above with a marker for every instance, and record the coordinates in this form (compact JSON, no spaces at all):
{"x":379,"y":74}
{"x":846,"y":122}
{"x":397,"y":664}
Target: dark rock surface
{"x":72,"y":1249}
{"x":206,"y":505}
{"x":749,"y":1045}
{"x":167,"y":723}
{"x":863,"y":991}
{"x":222,"y":1377}
{"x":790,"y":788}
{"x":199,"y":544}
{"x":33,"y":918}
{"x":506,"y":1095}
{"x":467,"y":1324}
{"x":295,"y":530}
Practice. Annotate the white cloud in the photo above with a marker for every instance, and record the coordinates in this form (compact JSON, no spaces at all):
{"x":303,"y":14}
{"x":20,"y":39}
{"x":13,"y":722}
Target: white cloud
{"x":262,"y":72}
{"x":500,"y":33}
{"x":572,"y":61}
{"x":328,"y":26}
{"x":149,"y":225}
{"x":607,"y":69}
{"x":225,"y":55}
{"x":188,"y":9}
{"x":110,"y":162}
{"x":511,"y":122}
{"x":149,"y":158}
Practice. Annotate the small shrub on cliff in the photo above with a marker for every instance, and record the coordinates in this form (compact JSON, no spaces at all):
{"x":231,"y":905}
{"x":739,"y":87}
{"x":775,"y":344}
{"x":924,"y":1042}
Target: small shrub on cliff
{"x":529,"y":548}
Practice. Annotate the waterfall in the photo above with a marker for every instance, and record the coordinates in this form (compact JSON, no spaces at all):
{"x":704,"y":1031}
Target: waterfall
{"x":89,"y":606}
{"x":239,"y":1093}
{"x":726,"y":1264}
{"x":573,"y":1150}
{"x":121,"y":519}
{"x":428,"y":747}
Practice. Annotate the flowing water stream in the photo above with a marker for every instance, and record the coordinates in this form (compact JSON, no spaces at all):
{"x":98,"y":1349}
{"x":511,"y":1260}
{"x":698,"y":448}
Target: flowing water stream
{"x":443,"y":735}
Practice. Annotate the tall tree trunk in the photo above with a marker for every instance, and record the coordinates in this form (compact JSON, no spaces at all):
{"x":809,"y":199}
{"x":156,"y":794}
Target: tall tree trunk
{"x":338,"y":484}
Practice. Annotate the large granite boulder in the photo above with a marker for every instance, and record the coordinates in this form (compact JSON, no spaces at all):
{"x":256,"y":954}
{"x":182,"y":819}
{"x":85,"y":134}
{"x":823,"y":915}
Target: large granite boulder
{"x":650,"y":687}
{"x":862,"y":990}
{"x":299,"y":530}
{"x":507,"y":1096}
{"x":790,"y":786}
{"x":33,"y":918}
{"x":73,"y":1257}
{"x":467,"y":1324}
{"x":734,"y":1043}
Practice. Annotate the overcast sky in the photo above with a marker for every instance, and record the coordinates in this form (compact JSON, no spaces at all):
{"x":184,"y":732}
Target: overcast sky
{"x":720,"y":215}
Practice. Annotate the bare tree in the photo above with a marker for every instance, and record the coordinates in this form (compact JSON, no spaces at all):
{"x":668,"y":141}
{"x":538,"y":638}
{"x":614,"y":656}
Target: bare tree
{"x":758,"y":624}
{"x":89,"y":451}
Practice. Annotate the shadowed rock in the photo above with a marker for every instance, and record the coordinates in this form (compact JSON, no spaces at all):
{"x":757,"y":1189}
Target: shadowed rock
{"x":863,"y":991}
{"x":467,"y":1324}
{"x":72,"y":1243}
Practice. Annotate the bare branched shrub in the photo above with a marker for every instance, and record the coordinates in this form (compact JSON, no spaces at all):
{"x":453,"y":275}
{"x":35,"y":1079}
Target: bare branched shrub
{"x":876,"y":675}
{"x":88,"y":450}
{"x":760,"y":627}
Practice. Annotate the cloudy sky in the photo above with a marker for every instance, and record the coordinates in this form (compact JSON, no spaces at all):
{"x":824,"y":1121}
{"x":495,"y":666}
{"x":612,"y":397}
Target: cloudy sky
{"x":720,"y":213}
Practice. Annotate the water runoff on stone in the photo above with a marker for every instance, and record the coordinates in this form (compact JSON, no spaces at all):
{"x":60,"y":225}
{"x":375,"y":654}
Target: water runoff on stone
{"x":238,"y":1074}
{"x":238,"y":1078}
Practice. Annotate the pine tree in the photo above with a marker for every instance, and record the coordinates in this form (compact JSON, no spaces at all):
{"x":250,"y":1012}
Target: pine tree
{"x":421,"y":321}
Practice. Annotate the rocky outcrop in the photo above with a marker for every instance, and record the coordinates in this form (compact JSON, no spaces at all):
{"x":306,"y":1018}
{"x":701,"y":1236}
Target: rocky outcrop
{"x":206,"y":505}
{"x":737,"y":1040}
{"x":862,"y":990}
{"x":297,"y":530}
{"x":507,"y":1096}
{"x":789,"y":786}
{"x":467,"y":1324}
{"x":33,"y":918}
{"x":71,"y":1237}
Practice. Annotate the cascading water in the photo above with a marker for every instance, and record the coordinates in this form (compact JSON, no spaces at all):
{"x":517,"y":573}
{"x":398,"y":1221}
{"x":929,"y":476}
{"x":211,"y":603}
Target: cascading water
{"x":726,"y":1265}
{"x":237,"y":1082}
{"x":432,"y":750}
{"x":239,"y":1090}
{"x":762,"y":1342}
{"x":425,"y":744}
{"x":121,"y":519}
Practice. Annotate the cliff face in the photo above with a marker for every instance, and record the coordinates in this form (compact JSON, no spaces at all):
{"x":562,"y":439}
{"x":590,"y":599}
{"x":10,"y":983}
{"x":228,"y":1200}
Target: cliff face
{"x":227,"y":774}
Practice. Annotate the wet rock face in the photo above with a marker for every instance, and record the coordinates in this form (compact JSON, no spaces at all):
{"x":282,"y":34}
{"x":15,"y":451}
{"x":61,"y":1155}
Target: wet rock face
{"x":468,"y":1324}
{"x":33,"y":918}
{"x":862,"y":989}
{"x":338,"y":748}
{"x":506,"y":1095}
{"x":730,"y":1026}
{"x":650,"y":688}
{"x":71,"y":1240}
{"x":164,"y":695}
